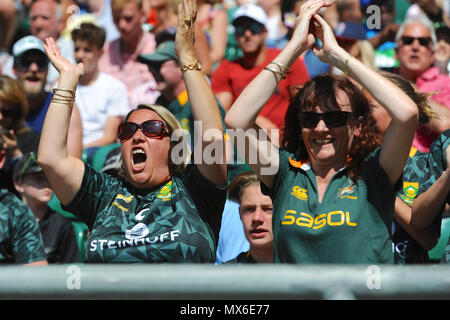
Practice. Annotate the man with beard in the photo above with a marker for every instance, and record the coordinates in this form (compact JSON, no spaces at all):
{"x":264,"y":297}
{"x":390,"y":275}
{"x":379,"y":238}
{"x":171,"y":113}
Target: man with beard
{"x":31,"y":69}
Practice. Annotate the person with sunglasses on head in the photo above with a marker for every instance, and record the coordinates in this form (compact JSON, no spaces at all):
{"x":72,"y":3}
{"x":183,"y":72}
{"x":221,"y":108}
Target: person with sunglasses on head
{"x":161,"y":209}
{"x":331,"y":203}
{"x":416,"y":41}
{"x":231,"y":77}
{"x":31,"y":70}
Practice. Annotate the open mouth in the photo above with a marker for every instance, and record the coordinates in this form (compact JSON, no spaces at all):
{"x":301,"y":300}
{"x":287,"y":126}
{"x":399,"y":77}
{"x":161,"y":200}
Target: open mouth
{"x":139,"y":157}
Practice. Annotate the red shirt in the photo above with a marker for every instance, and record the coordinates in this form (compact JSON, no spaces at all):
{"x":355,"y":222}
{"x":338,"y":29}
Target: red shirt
{"x":231,"y":76}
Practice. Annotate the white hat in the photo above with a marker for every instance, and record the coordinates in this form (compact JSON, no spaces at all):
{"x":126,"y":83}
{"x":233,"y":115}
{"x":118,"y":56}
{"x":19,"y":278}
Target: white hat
{"x":251,"y":11}
{"x":26,"y":44}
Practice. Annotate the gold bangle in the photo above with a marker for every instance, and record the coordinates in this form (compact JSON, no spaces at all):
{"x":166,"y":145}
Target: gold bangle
{"x":282,"y":75}
{"x":55,"y":90}
{"x":283,"y":68}
{"x":193,"y":66}
{"x":346,"y":64}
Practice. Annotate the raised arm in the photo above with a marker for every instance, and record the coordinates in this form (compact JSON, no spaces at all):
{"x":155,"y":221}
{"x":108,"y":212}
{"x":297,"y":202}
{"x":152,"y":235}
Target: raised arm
{"x":244,"y":111}
{"x":403,"y":111}
{"x":64,"y":172}
{"x":201,"y":98}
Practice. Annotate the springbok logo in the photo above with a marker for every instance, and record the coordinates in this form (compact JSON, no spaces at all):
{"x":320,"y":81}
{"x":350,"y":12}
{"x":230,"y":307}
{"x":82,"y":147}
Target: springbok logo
{"x":346,"y":191}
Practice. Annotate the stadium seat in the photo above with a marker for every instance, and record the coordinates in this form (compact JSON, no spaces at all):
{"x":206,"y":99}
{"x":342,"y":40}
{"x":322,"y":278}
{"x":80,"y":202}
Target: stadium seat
{"x":436,"y":253}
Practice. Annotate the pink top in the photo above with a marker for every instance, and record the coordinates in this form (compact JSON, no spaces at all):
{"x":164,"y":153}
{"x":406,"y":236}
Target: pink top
{"x":125,"y":67}
{"x":432,"y":81}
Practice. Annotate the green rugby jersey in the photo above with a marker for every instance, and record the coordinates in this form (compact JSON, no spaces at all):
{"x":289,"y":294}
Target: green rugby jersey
{"x":20,"y":238}
{"x":178,"y":221}
{"x":420,"y":172}
{"x":352,"y":224}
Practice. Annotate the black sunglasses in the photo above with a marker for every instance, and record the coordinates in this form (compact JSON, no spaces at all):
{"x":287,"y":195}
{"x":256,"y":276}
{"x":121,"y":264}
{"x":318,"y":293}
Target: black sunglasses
{"x":151,"y":128}
{"x":255,"y":28}
{"x":7,"y":113}
{"x":25,"y":63}
{"x":332,"y":119}
{"x":424,"y":42}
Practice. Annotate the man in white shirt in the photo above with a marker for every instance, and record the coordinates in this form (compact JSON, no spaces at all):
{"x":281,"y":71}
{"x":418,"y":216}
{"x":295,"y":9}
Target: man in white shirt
{"x":101,"y":98}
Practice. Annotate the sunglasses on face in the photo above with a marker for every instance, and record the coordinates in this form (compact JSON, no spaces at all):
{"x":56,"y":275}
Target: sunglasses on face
{"x":25,"y":63}
{"x":151,"y":128}
{"x":255,"y":28}
{"x":332,"y":119}
{"x":424,"y":42}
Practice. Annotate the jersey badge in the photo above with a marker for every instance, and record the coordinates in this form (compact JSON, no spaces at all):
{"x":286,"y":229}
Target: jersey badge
{"x":300,"y":193}
{"x":165,"y":193}
{"x":410,"y":190}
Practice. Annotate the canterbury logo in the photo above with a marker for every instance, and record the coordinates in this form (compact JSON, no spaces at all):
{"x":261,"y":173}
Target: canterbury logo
{"x":300,"y":193}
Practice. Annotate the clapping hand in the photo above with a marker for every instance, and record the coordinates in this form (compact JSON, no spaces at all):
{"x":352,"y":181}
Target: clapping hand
{"x":304,"y":32}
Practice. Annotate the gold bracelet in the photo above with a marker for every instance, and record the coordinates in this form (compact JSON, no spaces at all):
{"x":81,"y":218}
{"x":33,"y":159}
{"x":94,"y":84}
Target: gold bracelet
{"x":282,"y":75}
{"x":283,"y":68}
{"x":346,"y":64}
{"x":193,"y":66}
{"x":55,"y":90}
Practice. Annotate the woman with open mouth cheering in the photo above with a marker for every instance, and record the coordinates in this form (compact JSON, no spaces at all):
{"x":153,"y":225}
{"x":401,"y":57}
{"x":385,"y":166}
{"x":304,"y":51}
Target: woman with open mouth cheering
{"x":161,"y":209}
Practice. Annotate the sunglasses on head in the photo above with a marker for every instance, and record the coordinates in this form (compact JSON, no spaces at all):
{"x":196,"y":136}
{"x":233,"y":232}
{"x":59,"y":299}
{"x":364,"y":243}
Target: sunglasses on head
{"x":255,"y":28}
{"x":25,"y":63}
{"x":151,"y":128}
{"x":332,"y":119}
{"x":424,"y":42}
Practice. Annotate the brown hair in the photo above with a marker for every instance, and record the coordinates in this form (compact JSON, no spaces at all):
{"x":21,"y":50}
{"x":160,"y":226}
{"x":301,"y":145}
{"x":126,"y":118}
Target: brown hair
{"x":120,"y":4}
{"x":12,"y":93}
{"x":240,"y":183}
{"x":419,"y":98}
{"x":90,"y":33}
{"x":320,"y":91}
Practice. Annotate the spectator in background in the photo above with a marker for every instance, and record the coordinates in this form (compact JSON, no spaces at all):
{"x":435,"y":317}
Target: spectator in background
{"x":255,"y":212}
{"x":58,"y":235}
{"x":31,"y":68}
{"x":351,"y":37}
{"x":120,"y":56}
{"x":47,"y":20}
{"x":101,"y":9}
{"x":442,"y":50}
{"x":101,"y":98}
{"x":276,"y":30}
{"x":231,"y":77}
{"x":416,"y":40}
{"x":213,"y":21}
{"x":165,"y":29}
{"x":17,"y":136}
{"x":8,"y":24}
{"x":20,"y":237}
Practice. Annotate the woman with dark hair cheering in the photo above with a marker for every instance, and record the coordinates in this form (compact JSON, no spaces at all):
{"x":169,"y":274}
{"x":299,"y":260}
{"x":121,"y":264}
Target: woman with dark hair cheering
{"x":331,"y":205}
